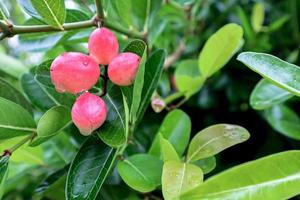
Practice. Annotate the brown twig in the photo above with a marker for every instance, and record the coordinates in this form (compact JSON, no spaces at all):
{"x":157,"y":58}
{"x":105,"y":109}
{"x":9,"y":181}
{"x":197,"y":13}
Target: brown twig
{"x":175,"y":55}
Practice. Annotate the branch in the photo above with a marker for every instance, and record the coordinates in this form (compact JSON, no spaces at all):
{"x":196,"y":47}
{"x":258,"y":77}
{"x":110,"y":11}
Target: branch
{"x":9,"y":151}
{"x":175,"y":55}
{"x":99,"y":9}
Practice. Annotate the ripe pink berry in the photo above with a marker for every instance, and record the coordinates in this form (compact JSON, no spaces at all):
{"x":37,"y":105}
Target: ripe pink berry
{"x":74,"y":72}
{"x":88,"y":113}
{"x":103,"y":45}
{"x":123,"y":68}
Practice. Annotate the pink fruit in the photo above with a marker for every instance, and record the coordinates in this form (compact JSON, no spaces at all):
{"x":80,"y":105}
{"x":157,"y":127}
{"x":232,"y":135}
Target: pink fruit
{"x":88,"y":113}
{"x":103,"y":45}
{"x":123,"y":68}
{"x":74,"y":72}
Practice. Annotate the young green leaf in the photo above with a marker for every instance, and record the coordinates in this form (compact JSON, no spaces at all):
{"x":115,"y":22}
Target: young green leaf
{"x":284,"y":120}
{"x":266,"y":95}
{"x":167,"y":150}
{"x":176,"y":128}
{"x":207,"y":164}
{"x":52,"y":11}
{"x":178,"y":178}
{"x":7,"y":91}
{"x":258,"y":16}
{"x":188,"y":78}
{"x":219,"y":49}
{"x":52,"y":123}
{"x":113,"y":131}
{"x":215,"y":139}
{"x":142,"y":172}
{"x":283,"y":74}
{"x":275,"y":176}
{"x":3,"y":173}
{"x":89,"y":169}
{"x":14,"y":120}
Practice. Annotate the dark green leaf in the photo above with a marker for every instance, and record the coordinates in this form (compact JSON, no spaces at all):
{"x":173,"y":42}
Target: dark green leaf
{"x":3,"y":173}
{"x":89,"y":169}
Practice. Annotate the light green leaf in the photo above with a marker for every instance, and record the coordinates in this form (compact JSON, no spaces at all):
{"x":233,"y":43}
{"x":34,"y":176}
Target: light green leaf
{"x":89,"y":169}
{"x":14,"y":120}
{"x":258,"y":16}
{"x":279,"y":72}
{"x":167,"y":150}
{"x":113,"y":131}
{"x":52,"y":123}
{"x":178,"y":178}
{"x":207,"y":164}
{"x":142,"y":172}
{"x":219,"y":49}
{"x":266,"y":95}
{"x":12,"y":66}
{"x":214,"y":139}
{"x":175,"y":128}
{"x":273,"y":177}
{"x":188,"y":78}
{"x":52,"y":11}
{"x":284,"y":120}
{"x":4,"y":14}
{"x":3,"y":173}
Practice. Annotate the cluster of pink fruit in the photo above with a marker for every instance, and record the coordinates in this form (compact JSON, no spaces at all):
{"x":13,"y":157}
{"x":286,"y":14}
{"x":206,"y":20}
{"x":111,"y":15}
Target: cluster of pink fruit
{"x":76,"y":73}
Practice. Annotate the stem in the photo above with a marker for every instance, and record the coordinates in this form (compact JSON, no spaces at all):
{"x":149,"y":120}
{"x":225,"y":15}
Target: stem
{"x":124,"y":31}
{"x":99,"y":9}
{"x":173,"y":97}
{"x":105,"y":79}
{"x":19,"y":144}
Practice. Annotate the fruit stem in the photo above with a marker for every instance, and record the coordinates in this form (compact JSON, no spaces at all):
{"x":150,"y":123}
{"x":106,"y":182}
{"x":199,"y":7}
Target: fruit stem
{"x":105,"y":79}
{"x":99,"y":9}
{"x":9,"y":151}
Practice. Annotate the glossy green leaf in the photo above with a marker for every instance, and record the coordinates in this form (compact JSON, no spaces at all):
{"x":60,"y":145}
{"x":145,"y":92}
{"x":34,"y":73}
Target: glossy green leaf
{"x":258,"y":16}
{"x":12,"y":66}
{"x":284,"y":120}
{"x":219,"y":49}
{"x":142,"y":172}
{"x":43,"y":97}
{"x":214,"y":139}
{"x":178,"y":178}
{"x":275,"y":176}
{"x":52,"y":123}
{"x":52,"y":11}
{"x":283,"y":74}
{"x":167,"y":150}
{"x":14,"y":120}
{"x":176,"y":128}
{"x":89,"y":169}
{"x":266,"y":95}
{"x":24,"y":154}
{"x":113,"y":131}
{"x":7,"y":91}
{"x":207,"y":164}
{"x":3,"y":173}
{"x":188,"y":78}
{"x":42,"y":73}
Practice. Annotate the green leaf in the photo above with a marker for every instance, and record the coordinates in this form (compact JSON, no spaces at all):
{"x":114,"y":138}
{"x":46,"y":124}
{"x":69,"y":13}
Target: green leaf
{"x":266,"y":95}
{"x":178,"y":178}
{"x":153,"y":70}
{"x":43,"y":97}
{"x":42,"y":73}
{"x":25,"y":154}
{"x":113,"y":131}
{"x":167,"y":150}
{"x":3,"y":173}
{"x":176,"y":128}
{"x":188,"y":78}
{"x":12,"y":66}
{"x":142,"y":172}
{"x":219,"y":49}
{"x":207,"y":164}
{"x":7,"y":91}
{"x":279,"y":72}
{"x":52,"y":11}
{"x":14,"y":120}
{"x":29,"y":9}
{"x":276,"y":176}
{"x":138,"y":47}
{"x":4,"y":14}
{"x":89,"y":169}
{"x":284,"y":120}
{"x":215,"y":139}
{"x":257,"y":17}
{"x":52,"y":123}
